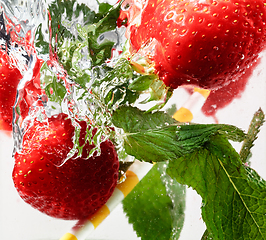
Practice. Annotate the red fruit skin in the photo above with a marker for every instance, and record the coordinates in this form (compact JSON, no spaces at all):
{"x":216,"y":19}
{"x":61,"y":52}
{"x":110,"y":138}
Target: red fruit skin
{"x":10,"y":77}
{"x":75,"y":189}
{"x":9,"y":80}
{"x":32,"y":91}
{"x":202,"y":43}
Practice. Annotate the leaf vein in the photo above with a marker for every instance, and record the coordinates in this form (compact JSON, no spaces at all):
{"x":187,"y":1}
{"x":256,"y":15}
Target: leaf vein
{"x":243,"y":202}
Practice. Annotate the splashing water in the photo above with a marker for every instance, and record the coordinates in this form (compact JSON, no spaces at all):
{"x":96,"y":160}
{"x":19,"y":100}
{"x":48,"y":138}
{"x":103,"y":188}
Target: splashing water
{"x":25,"y":15}
{"x":51,"y":50}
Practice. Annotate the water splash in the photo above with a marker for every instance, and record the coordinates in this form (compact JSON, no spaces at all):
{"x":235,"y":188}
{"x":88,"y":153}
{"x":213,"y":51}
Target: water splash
{"x":25,"y":16}
{"x":60,"y":69}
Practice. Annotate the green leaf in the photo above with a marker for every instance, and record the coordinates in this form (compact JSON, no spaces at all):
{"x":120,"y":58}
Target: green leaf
{"x":66,"y":12}
{"x":207,"y":235}
{"x":164,"y":99}
{"x":152,"y":212}
{"x":70,"y":56}
{"x":171,"y":110}
{"x":133,"y":120}
{"x":155,"y":137}
{"x":40,"y":44}
{"x":177,"y":194}
{"x":198,"y":134}
{"x":66,"y":23}
{"x":100,"y":51}
{"x":234,"y":196}
{"x":55,"y":91}
{"x":142,"y":83}
{"x":158,"y":90}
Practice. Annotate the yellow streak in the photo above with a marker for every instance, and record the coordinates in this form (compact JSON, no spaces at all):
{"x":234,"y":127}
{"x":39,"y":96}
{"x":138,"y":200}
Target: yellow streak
{"x":131,"y":181}
{"x":183,"y":115}
{"x":99,"y":216}
{"x":204,"y":92}
{"x":68,"y":236}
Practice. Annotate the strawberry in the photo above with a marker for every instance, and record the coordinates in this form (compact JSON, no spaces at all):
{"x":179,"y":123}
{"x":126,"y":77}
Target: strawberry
{"x":9,"y":80}
{"x":12,"y":66}
{"x":10,"y":77}
{"x":207,"y":43}
{"x":32,"y":91}
{"x":67,"y":189}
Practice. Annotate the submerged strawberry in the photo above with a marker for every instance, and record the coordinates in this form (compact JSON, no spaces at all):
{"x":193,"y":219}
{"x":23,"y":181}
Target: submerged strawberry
{"x":9,"y":80}
{"x":74,"y":189}
{"x":206,"y":43}
{"x":11,"y":69}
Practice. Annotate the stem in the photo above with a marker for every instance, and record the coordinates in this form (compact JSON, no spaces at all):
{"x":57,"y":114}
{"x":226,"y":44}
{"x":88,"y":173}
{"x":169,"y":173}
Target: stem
{"x":252,"y":135}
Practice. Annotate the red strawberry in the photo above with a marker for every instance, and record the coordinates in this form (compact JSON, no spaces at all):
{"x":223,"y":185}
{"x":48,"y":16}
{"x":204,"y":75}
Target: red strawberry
{"x":206,"y":43}
{"x":9,"y":80}
{"x":74,"y":189}
{"x":32,"y":91}
{"x":10,"y":77}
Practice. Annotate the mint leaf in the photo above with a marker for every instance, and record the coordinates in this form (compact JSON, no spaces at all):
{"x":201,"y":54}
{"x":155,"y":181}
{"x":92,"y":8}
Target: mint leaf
{"x":207,"y":235}
{"x":233,"y":195}
{"x":177,"y":194}
{"x":65,"y":20}
{"x":150,"y":209}
{"x":40,"y":44}
{"x":198,"y":134}
{"x":65,"y":15}
{"x":100,"y":46}
{"x":142,"y":83}
{"x":133,"y":120}
{"x":155,"y":137}
{"x":55,"y":90}
{"x":158,"y":90}
{"x":71,"y":57}
{"x":171,"y":110}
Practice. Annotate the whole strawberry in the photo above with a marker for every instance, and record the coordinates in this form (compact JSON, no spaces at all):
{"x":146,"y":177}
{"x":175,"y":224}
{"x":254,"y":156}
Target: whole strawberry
{"x":71,"y":189}
{"x":206,"y":43}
